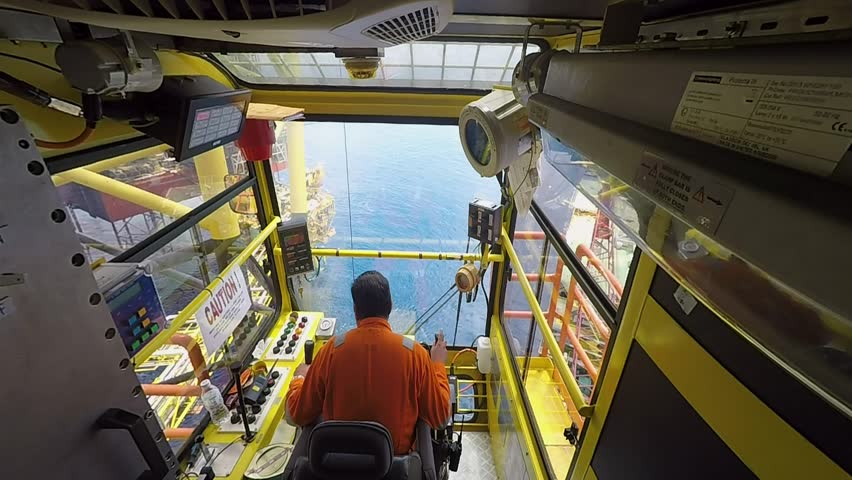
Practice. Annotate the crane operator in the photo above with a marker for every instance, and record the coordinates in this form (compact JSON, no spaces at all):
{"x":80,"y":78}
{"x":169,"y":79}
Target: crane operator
{"x":373,"y":374}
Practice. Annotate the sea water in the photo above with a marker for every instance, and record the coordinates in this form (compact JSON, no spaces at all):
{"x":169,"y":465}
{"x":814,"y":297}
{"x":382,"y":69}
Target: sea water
{"x":396,"y":187}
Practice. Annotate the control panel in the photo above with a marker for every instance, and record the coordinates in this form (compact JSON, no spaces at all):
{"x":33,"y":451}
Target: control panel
{"x":296,"y":245}
{"x":290,"y":339}
{"x":484,"y":221}
{"x":260,"y":397}
{"x":133,"y":302}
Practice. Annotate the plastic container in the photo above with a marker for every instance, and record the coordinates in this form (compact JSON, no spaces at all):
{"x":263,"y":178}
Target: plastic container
{"x":212,"y":399}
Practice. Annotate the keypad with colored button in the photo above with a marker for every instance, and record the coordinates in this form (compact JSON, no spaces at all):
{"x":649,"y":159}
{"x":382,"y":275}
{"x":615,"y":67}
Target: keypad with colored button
{"x":291,"y":337}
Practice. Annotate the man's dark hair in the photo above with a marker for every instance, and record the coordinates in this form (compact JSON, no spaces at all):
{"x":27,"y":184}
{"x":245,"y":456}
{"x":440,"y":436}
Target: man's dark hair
{"x":371,"y":295}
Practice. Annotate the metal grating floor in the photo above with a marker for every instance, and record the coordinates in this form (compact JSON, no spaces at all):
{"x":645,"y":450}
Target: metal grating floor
{"x":477,"y":461}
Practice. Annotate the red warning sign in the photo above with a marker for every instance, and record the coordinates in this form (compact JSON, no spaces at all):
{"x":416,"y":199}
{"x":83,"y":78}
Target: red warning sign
{"x":699,"y":195}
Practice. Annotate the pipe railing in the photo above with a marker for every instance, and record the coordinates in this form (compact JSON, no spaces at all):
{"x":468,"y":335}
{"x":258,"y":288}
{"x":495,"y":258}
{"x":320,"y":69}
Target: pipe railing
{"x":575,"y":295}
{"x":574,"y":392}
{"x":404,"y":255}
{"x":142,"y":355}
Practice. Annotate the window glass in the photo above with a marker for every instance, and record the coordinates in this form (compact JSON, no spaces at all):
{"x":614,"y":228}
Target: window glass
{"x":388,"y":187}
{"x":181,"y":270}
{"x":605,"y":250}
{"x":419,"y":65}
{"x":803,"y":335}
{"x":109,"y":215}
{"x":552,"y":409}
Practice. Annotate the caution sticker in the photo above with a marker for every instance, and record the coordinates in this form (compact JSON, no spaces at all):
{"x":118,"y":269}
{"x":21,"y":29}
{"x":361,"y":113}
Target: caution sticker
{"x":798,"y":121}
{"x":699,"y":200}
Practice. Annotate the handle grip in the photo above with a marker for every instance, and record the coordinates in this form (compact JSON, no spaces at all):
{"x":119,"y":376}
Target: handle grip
{"x":118,"y":419}
{"x":309,"y":352}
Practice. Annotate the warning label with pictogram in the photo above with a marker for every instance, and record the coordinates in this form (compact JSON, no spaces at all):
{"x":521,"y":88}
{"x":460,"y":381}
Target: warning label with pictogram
{"x":694,"y":197}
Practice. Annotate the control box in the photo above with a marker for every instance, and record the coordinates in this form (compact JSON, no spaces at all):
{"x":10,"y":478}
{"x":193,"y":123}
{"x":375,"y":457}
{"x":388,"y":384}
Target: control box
{"x":292,"y":336}
{"x":133,"y":301}
{"x":484,"y":221}
{"x":325,"y":331}
{"x":296,"y":245}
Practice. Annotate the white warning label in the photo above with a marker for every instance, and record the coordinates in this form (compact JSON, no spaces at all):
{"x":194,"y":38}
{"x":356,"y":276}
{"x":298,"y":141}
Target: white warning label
{"x":798,"y":121}
{"x":699,"y":200}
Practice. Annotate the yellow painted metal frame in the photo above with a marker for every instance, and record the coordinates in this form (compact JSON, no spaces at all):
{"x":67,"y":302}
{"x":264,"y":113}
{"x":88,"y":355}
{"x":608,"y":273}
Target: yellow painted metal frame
{"x":190,"y":310}
{"x":618,"y":357}
{"x":268,"y":200}
{"x":559,"y":362}
{"x":566,"y":42}
{"x":765,"y":443}
{"x":521,"y":421}
{"x":383,"y":104}
{"x":405,"y":255}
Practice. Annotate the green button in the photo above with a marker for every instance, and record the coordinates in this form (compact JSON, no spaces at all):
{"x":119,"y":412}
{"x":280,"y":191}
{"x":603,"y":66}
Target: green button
{"x":135,"y":345}
{"x":145,"y":336}
{"x":155,"y":328}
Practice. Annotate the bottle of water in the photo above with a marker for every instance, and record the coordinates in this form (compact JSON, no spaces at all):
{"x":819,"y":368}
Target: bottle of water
{"x":213,"y":402}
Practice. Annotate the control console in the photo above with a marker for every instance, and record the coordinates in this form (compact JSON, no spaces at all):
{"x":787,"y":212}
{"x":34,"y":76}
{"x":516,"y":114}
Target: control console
{"x":259,"y":398}
{"x":290,"y":339}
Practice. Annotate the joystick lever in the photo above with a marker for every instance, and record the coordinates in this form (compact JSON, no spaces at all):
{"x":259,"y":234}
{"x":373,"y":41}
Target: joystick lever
{"x":309,"y":351}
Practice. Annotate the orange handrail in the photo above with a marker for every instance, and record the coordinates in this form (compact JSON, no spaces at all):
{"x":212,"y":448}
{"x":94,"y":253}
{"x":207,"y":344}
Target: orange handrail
{"x":575,"y":295}
{"x":583,"y":251}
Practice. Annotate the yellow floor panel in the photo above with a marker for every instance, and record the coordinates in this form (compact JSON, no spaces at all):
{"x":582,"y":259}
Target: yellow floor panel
{"x":551,"y":416}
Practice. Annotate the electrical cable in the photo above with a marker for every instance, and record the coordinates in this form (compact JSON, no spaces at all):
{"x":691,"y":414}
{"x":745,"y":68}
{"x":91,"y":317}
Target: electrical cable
{"x":458,"y":315}
{"x":529,"y":167}
{"x":420,"y":323}
{"x":417,"y":321}
{"x":443,"y":295}
{"x":220,"y":452}
{"x":456,"y":356}
{"x":484,"y":293}
{"x":82,"y":137}
{"x":348,"y":197}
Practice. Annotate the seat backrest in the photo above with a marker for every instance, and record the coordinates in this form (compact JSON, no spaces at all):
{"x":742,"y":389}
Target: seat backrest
{"x":353,"y":450}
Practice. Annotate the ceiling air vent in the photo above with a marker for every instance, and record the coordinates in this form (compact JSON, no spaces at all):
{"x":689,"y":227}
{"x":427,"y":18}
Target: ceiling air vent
{"x":410,"y":27}
{"x":289,"y":23}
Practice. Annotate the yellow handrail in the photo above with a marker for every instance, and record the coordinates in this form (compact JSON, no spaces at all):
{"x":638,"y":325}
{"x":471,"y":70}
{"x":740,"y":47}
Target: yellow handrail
{"x":405,"y":255}
{"x":142,"y":355}
{"x":574,"y":392}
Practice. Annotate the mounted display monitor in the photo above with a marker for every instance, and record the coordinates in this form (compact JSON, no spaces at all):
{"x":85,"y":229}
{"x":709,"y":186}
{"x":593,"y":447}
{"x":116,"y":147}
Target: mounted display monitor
{"x":195,"y":114}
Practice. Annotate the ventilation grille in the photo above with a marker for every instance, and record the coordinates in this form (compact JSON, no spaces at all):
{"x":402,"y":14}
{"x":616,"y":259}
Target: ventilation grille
{"x":410,"y":27}
{"x":201,"y":9}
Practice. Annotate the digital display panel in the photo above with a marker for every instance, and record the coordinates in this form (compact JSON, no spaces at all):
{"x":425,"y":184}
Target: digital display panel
{"x":213,"y":123}
{"x":295,"y":239}
{"x":124,"y":296}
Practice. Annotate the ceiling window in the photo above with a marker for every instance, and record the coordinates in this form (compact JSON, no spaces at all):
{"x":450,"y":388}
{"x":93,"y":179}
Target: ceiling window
{"x":419,"y":65}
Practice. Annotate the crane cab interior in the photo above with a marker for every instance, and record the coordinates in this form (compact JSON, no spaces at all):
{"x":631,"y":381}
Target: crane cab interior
{"x":629,"y":219}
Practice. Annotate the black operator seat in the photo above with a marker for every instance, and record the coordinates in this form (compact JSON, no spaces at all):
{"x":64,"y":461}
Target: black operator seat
{"x":360,"y":451}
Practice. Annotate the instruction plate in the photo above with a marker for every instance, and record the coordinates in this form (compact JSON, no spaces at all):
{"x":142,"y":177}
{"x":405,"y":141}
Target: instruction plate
{"x":799,"y":121}
{"x":699,"y":200}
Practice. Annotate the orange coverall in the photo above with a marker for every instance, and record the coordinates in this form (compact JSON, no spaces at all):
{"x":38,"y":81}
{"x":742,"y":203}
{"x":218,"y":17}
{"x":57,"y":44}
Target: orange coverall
{"x":373,"y":376}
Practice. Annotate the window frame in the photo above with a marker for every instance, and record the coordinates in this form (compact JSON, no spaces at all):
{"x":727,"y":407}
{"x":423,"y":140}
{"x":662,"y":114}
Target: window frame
{"x":541,"y":43}
{"x":183,"y":224}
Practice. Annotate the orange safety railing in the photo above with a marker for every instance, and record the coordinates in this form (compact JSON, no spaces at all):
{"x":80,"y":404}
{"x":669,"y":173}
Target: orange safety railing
{"x":575,"y":296}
